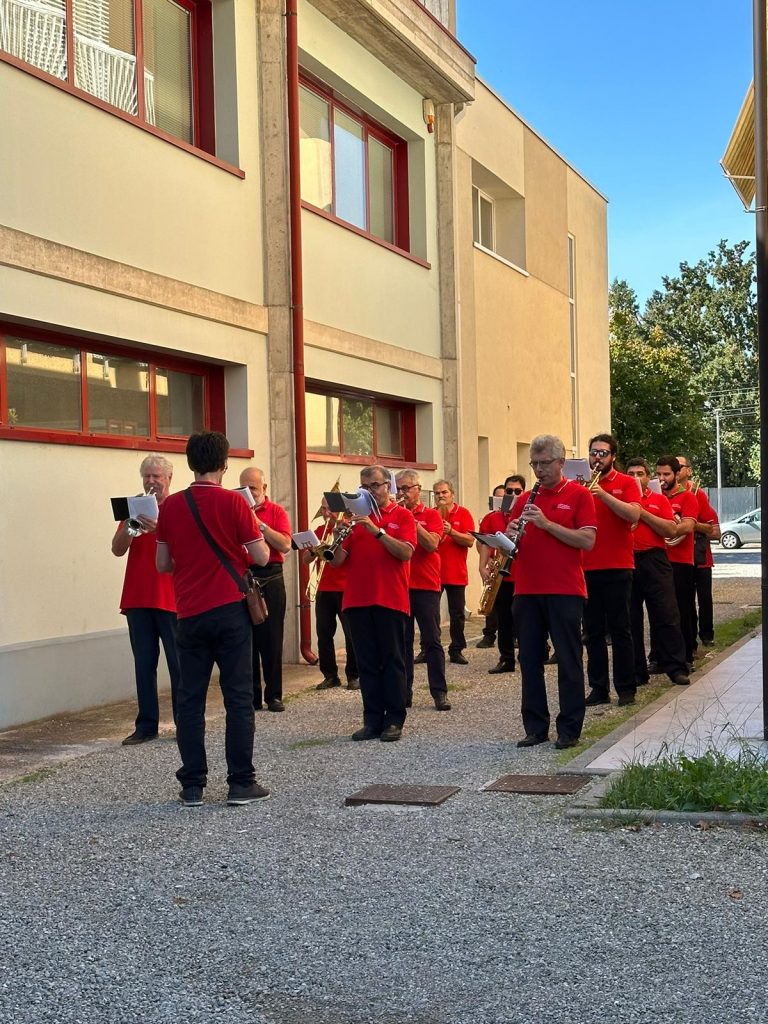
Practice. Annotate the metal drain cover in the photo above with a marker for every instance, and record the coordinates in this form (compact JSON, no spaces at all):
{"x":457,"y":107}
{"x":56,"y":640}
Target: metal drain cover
{"x":417,"y":796}
{"x":544,"y":784}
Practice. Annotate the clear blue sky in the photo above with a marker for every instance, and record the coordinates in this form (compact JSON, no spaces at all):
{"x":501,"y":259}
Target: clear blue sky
{"x":640,"y":96}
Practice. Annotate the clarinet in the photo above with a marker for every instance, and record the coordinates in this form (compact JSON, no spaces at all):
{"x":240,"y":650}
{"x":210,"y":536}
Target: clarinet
{"x":506,"y":566}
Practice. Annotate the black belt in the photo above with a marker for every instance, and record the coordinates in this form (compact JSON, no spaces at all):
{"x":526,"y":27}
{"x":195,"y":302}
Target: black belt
{"x":266,"y":574}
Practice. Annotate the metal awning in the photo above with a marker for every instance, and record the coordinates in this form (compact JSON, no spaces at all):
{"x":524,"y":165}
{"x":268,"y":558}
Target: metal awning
{"x":738,"y":161}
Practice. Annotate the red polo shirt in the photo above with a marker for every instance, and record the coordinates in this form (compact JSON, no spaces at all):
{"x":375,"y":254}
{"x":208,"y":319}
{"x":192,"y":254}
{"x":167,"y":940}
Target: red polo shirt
{"x":375,"y":576}
{"x":144,"y":586}
{"x":684,"y":506}
{"x":425,"y":565}
{"x":453,"y":556}
{"x":334,"y":578}
{"x":544,"y":564}
{"x":274,"y":515}
{"x":200,"y":581}
{"x":706,"y":515}
{"x":643,"y":537}
{"x":613,"y":545}
{"x":497,"y":522}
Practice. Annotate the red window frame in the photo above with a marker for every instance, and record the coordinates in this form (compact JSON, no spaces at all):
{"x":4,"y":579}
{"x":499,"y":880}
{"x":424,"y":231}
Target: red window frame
{"x":407,"y":412}
{"x":399,"y":148}
{"x":214,"y":414}
{"x":203,"y":130}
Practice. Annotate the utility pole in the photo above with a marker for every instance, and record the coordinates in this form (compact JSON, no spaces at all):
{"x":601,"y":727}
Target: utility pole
{"x":719,"y":466}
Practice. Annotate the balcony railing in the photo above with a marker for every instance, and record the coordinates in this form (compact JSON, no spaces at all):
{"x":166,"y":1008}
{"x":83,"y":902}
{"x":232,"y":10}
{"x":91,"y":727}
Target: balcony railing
{"x":36,"y":34}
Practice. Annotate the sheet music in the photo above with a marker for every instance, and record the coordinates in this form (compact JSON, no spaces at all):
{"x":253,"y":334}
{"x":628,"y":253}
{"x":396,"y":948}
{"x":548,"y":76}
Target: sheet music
{"x":655,"y":486}
{"x":245,"y":493}
{"x":578,"y":470}
{"x":497,"y":540}
{"x":143,"y":505}
{"x":305,"y":539}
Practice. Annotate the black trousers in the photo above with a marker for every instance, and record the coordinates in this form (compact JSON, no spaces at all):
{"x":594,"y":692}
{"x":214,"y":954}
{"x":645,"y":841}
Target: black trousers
{"x":491,"y":624}
{"x":147,"y":629}
{"x":268,"y":643}
{"x":327,"y":613}
{"x":379,"y":638}
{"x":607,"y":610}
{"x":559,"y":616}
{"x":654,"y":586}
{"x":425,"y":610}
{"x":221,"y":636}
{"x":685,"y":592}
{"x":455,"y":594}
{"x":704,"y":625}
{"x":504,"y":609}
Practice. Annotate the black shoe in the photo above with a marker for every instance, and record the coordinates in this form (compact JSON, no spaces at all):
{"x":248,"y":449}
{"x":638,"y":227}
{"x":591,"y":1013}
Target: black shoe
{"x":138,"y":737}
{"x":328,"y":683}
{"x":258,"y":707}
{"x":691,"y":667}
{"x":680,"y":679}
{"x":441,"y":702}
{"x":596,"y":697}
{"x":626,"y":697}
{"x":564,"y":742}
{"x":458,"y":659}
{"x":275,"y":705}
{"x":366,"y":733}
{"x":501,"y":666}
{"x":239,"y":795}
{"x":552,"y":659}
{"x":486,"y":641}
{"x":653,"y":669}
{"x":353,"y":683}
{"x":706,"y":643}
{"x":391,"y":733}
{"x":533,"y":740}
{"x":191,"y":796}
{"x":420,"y":659}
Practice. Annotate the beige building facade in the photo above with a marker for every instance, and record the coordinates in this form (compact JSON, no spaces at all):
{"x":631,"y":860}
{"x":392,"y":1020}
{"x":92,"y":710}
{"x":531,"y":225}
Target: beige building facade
{"x":146,"y":287}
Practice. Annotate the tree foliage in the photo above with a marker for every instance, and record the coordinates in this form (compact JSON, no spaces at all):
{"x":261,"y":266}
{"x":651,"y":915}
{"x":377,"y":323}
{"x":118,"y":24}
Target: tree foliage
{"x":694,"y":349}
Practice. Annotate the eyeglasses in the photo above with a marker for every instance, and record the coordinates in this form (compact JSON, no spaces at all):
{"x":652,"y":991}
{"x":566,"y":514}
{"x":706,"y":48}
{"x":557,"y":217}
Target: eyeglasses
{"x":541,"y":464}
{"x":599,"y":453}
{"x":375,"y":483}
{"x":441,"y":494}
{"x":514,"y":490}
{"x":407,"y":487}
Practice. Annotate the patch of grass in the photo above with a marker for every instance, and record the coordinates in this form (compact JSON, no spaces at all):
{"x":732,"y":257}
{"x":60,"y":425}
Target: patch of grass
{"x":303,"y":744}
{"x":727,"y":633}
{"x":37,"y":776}
{"x":610,"y":720}
{"x":709,"y":782}
{"x":457,"y":687}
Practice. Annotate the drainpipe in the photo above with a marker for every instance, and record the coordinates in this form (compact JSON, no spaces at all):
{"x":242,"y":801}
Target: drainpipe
{"x":297,"y":318}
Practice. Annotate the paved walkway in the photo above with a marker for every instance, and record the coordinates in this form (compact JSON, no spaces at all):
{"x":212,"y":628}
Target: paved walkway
{"x":722,"y":710}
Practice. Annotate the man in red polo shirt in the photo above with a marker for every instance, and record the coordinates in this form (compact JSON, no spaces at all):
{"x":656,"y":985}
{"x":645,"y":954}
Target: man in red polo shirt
{"x":213,"y":623}
{"x":149,"y":605}
{"x":497,"y":522}
{"x":376,"y":602}
{"x":330,"y":592}
{"x":706,"y":530}
{"x":424,"y":591}
{"x":608,"y":569}
{"x":550,"y":591}
{"x":491,"y":627}
{"x":685,"y":509}
{"x":653,"y":583}
{"x":454,"y":548}
{"x":275,"y":527}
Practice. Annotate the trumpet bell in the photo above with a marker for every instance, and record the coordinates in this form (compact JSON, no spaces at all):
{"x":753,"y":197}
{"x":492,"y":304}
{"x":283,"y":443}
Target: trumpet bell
{"x":133,"y":528}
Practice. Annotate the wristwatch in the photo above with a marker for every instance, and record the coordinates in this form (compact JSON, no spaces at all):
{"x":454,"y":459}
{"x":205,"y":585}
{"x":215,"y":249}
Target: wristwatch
{"x":381,"y":533}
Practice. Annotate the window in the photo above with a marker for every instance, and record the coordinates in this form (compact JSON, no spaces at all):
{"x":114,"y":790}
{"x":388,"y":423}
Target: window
{"x":482,"y":219}
{"x":360,"y":427}
{"x":498,"y":217}
{"x":142,"y":57}
{"x":72,"y":393}
{"x":351,"y":168}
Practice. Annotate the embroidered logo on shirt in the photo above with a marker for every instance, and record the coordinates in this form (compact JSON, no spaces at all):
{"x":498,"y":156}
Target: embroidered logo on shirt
{"x":562,"y":505}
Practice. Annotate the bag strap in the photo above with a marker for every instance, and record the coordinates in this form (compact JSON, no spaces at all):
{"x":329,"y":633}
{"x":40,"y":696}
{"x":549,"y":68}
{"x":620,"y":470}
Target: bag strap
{"x":242,"y":586}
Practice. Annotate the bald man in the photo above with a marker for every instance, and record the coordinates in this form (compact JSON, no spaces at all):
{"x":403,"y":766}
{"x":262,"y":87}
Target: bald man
{"x":272,"y":520}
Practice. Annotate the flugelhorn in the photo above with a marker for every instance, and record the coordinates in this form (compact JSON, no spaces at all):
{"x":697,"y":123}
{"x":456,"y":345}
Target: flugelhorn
{"x":594,"y":480}
{"x":133,"y":525}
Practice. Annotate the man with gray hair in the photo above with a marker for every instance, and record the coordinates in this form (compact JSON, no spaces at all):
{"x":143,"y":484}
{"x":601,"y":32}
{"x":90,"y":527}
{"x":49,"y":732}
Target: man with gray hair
{"x":559,"y":522}
{"x":149,"y":605}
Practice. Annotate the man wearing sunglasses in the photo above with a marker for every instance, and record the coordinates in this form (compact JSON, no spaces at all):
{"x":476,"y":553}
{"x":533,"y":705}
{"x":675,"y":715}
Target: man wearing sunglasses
{"x":497,"y":522}
{"x":608,"y":569}
{"x":488,"y":639}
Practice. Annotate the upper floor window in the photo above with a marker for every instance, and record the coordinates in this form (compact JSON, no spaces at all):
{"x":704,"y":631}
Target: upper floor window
{"x":498,"y":217}
{"x":483,"y":219}
{"x":357,"y":425}
{"x":140,"y":56}
{"x":66,"y":391}
{"x":352,"y":168}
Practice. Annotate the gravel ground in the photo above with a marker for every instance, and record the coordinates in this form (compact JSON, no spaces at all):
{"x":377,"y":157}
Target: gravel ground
{"x":119,"y":905}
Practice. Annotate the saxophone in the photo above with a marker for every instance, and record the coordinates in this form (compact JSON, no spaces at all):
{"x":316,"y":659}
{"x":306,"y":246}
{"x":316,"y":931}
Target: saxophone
{"x":491,"y":586}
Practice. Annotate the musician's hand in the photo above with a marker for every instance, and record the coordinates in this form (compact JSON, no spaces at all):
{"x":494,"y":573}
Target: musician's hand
{"x":484,"y":574}
{"x":512,"y":527}
{"x":367,"y":522}
{"x":149,"y":525}
{"x":532,"y":514}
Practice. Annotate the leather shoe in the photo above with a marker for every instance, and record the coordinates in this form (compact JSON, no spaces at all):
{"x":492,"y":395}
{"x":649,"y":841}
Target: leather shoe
{"x":486,"y":641}
{"x":391,"y":733}
{"x":275,"y":705}
{"x":564,"y":742}
{"x":441,"y":702}
{"x":596,"y":697}
{"x":458,"y":659}
{"x":680,"y":679}
{"x":328,"y":683}
{"x":420,"y":659}
{"x":138,"y":737}
{"x":532,"y":740}
{"x":653,"y":668}
{"x":366,"y":733}
{"x":501,"y":666}
{"x":353,"y":684}
{"x":626,"y":697}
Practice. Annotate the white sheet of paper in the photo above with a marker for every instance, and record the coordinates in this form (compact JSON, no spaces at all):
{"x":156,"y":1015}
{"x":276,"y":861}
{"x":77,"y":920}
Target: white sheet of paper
{"x":496,"y":501}
{"x":305,"y":539}
{"x":655,"y":486}
{"x":246,"y":495}
{"x":361,"y":504}
{"x":143,"y":505}
{"x":578,"y":470}
{"x":497,"y":540}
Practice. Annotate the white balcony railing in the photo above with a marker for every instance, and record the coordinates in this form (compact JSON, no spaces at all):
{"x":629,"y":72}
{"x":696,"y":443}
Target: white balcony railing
{"x":36,"y":33}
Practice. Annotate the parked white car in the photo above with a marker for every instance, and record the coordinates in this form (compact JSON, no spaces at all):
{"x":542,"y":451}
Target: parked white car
{"x":744,"y":530}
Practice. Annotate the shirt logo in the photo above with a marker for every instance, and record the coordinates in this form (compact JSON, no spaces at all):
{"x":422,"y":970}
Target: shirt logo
{"x":393,"y":526}
{"x":562,"y":505}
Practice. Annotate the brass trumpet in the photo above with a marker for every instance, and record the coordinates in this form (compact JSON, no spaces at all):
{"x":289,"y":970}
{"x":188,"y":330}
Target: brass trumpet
{"x":133,"y":526}
{"x":594,"y":481}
